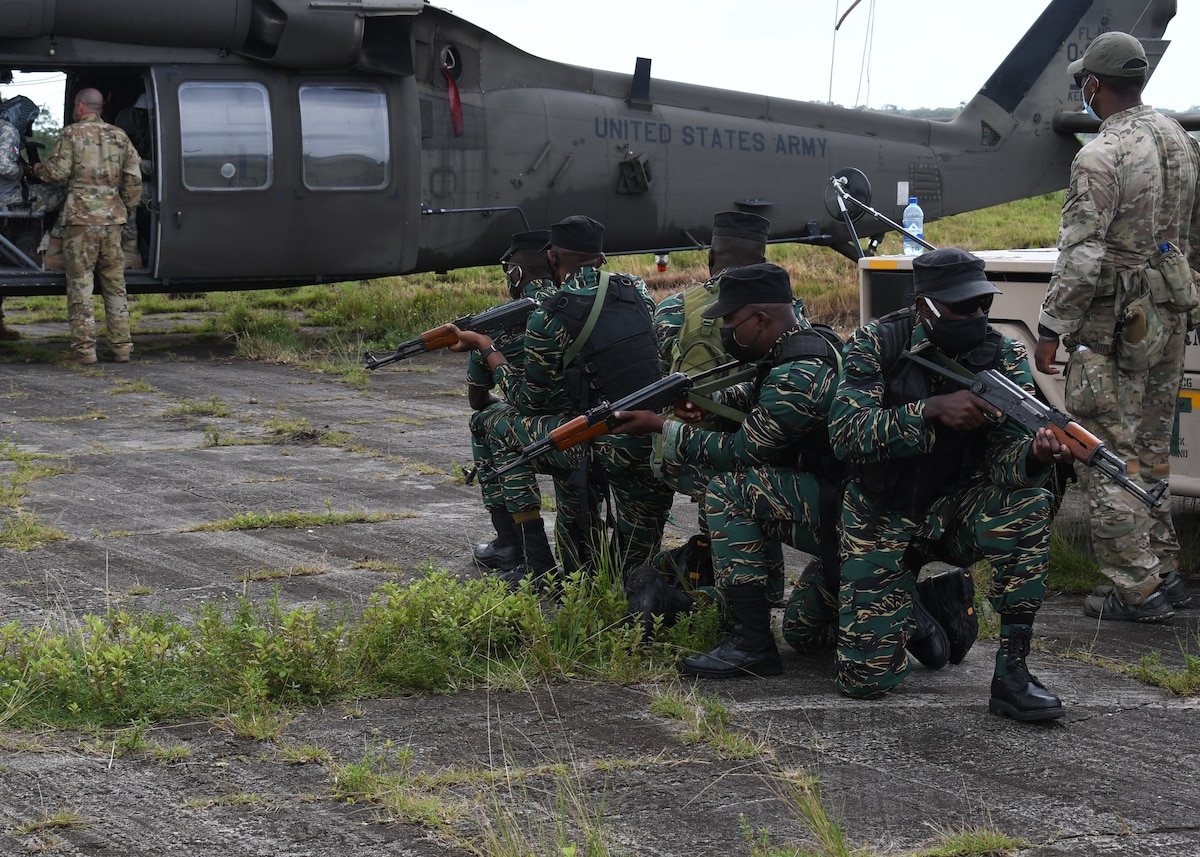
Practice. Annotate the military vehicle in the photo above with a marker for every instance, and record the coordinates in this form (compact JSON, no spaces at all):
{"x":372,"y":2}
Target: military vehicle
{"x":302,"y":141}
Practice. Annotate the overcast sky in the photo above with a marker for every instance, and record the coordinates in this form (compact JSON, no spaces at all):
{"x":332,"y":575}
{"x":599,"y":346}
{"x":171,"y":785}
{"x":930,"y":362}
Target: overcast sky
{"x":786,"y":48}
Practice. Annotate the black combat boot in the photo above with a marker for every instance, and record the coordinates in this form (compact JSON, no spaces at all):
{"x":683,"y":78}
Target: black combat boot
{"x":950,"y":599}
{"x":1018,"y":694}
{"x":539,"y":561}
{"x":504,"y":551}
{"x":927,"y":642}
{"x":751,"y":649}
{"x":650,"y":594}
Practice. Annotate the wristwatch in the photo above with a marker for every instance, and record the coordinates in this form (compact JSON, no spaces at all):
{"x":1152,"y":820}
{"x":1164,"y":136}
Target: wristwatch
{"x":488,"y":352}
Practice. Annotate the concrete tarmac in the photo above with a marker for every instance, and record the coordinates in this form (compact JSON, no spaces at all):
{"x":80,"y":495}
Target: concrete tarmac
{"x":1118,"y":774}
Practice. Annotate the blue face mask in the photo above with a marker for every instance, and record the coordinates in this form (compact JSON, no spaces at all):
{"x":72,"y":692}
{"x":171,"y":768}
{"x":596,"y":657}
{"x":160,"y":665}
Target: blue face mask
{"x":1087,"y":104}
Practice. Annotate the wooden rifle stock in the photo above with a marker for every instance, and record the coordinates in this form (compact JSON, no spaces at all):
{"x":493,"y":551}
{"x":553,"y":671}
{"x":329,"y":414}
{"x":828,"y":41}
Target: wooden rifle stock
{"x":499,"y":317}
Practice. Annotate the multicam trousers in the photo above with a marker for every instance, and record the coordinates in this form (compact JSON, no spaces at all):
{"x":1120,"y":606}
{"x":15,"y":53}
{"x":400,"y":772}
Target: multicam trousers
{"x":1134,"y":414}
{"x":1009,"y":527}
{"x":90,"y":254}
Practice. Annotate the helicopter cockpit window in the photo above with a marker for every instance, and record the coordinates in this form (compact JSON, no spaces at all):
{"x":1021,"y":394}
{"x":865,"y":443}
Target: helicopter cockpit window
{"x":226,"y":134}
{"x":345,"y":131}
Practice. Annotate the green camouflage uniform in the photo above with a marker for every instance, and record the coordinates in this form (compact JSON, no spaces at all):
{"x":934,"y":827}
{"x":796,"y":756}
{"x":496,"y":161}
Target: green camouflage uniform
{"x":999,"y":513}
{"x":512,"y":345}
{"x":541,"y":403}
{"x":1121,"y":204}
{"x":104,"y":181}
{"x":759,"y":497}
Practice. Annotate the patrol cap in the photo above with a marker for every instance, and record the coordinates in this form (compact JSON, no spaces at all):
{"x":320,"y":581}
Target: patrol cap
{"x":534,"y":241}
{"x":763,"y":283}
{"x":1112,"y":54}
{"x":741,"y":224}
{"x":950,"y":275}
{"x":579,"y":233}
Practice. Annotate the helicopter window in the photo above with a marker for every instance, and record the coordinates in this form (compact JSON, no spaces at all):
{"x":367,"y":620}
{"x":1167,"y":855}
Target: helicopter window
{"x":345,"y":136}
{"x":225,"y":130}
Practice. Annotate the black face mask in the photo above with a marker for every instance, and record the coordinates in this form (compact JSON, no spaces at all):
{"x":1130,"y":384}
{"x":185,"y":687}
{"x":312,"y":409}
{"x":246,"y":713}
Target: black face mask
{"x":959,"y":335}
{"x":733,"y":348}
{"x":514,"y":275}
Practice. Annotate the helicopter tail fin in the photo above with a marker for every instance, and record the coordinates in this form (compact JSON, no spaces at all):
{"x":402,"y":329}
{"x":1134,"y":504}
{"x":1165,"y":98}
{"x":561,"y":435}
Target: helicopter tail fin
{"x":1016,"y":110}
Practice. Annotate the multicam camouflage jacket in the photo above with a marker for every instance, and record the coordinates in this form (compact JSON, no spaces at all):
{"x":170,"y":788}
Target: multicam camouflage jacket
{"x":10,"y":165}
{"x":103,"y":171}
{"x":1136,"y":185}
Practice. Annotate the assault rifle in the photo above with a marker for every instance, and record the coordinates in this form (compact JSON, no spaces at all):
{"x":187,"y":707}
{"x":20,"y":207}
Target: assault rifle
{"x":1013,"y":402}
{"x":499,"y":317}
{"x":599,"y":420}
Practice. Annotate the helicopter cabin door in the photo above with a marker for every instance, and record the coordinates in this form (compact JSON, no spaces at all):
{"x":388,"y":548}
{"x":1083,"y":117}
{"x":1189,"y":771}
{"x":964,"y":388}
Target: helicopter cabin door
{"x":275,"y":176}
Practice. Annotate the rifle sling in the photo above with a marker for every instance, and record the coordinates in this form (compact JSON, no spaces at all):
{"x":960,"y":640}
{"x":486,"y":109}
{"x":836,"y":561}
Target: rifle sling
{"x":589,"y":324}
{"x":699,"y":394}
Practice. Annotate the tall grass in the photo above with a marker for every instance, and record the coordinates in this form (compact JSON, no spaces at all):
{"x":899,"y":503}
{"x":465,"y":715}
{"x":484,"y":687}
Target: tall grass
{"x":378,"y":313}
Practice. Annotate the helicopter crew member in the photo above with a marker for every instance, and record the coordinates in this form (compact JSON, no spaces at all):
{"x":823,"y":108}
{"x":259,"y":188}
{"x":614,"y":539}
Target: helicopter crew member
{"x":104,"y":183}
{"x":11,"y":193}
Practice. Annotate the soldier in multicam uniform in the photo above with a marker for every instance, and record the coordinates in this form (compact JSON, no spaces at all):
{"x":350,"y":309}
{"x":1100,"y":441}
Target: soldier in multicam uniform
{"x":102,"y":170}
{"x":547,"y":393}
{"x":764,"y":492}
{"x":11,"y":194}
{"x":528,"y":274}
{"x":931,"y":470}
{"x":1133,"y":189}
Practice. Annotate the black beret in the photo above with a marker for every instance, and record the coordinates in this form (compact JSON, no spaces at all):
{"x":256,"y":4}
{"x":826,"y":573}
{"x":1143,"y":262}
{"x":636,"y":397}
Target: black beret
{"x":536,"y":240}
{"x":741,"y":224}
{"x":763,"y":283}
{"x":579,"y":233}
{"x":950,"y":275}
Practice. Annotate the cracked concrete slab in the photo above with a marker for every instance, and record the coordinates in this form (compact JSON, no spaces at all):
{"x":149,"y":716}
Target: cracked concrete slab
{"x":1119,"y":774}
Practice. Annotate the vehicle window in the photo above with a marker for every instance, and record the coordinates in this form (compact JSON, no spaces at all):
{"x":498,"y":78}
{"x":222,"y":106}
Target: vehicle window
{"x":226,"y":135}
{"x":345,"y":131}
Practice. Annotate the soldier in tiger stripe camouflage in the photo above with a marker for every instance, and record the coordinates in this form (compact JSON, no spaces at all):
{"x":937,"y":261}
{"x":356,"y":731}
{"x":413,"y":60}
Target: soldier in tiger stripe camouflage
{"x":932,"y":469}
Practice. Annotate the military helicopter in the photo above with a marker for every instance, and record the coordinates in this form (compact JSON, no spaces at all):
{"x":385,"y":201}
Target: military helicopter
{"x":304,"y":141}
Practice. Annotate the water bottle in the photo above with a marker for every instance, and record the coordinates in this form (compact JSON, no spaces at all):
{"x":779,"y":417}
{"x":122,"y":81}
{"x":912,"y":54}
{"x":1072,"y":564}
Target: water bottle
{"x":914,"y":224}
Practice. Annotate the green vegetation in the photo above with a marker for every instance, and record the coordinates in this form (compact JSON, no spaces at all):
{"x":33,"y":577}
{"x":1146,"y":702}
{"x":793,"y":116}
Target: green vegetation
{"x":250,"y":662}
{"x":327,"y":327}
{"x":214,"y":407}
{"x":22,"y":530}
{"x":294,"y":519}
{"x":705,"y":721}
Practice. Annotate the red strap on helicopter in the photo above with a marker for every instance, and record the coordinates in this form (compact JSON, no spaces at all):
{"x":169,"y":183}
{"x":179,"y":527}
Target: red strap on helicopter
{"x":456,"y":116}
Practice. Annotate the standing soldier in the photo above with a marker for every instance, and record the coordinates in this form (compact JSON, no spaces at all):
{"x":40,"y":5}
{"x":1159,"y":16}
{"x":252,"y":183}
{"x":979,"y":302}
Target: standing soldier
{"x":104,"y":183}
{"x":11,"y":195}
{"x":1119,"y":299}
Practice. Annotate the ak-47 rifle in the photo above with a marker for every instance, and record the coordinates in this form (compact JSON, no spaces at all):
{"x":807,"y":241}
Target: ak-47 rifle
{"x":499,"y":317}
{"x":599,"y":420}
{"x":1013,"y":402}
